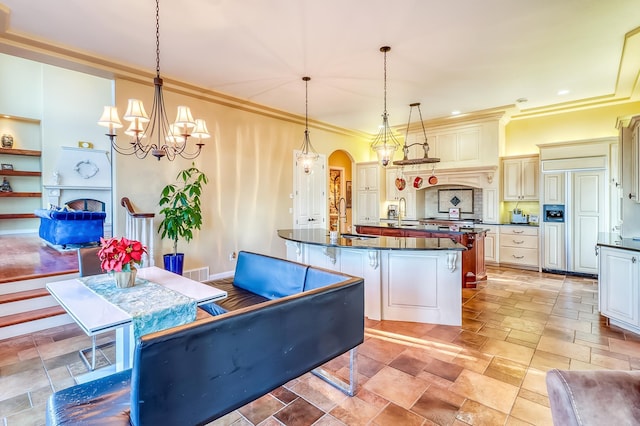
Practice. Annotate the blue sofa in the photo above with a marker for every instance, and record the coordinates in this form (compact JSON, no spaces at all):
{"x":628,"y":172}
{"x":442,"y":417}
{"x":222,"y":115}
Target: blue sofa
{"x":62,"y":227}
{"x":195,"y":373}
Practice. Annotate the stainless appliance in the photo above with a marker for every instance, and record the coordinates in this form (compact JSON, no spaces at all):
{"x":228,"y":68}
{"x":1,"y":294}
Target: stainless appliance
{"x":447,"y":223}
{"x":553,"y":213}
{"x":392,"y":211}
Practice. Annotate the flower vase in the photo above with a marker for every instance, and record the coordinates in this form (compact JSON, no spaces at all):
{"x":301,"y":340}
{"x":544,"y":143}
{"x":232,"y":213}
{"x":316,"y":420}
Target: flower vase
{"x":125,"y":279}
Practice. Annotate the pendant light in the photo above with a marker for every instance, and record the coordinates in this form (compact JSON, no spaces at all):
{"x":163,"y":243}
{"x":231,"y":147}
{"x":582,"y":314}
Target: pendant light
{"x":385,"y":144}
{"x":307,"y":155}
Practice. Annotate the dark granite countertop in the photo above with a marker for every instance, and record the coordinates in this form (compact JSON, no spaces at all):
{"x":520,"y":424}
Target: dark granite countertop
{"x":320,"y":237}
{"x":429,"y":228}
{"x":615,"y":240}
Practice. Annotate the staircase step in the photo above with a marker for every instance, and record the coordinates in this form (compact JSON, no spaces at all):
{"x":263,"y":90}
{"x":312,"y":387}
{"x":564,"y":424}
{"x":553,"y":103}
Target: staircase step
{"x":23,"y":295}
{"x":37,"y":314}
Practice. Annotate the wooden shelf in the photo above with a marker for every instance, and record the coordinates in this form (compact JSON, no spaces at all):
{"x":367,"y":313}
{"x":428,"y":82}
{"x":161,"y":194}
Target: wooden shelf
{"x":18,"y":173}
{"x":27,"y":152}
{"x":17,"y":216}
{"x":21,"y":194}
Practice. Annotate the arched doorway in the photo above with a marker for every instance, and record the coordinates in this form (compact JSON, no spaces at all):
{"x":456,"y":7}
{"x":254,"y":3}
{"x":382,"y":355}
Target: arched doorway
{"x":339,"y":191}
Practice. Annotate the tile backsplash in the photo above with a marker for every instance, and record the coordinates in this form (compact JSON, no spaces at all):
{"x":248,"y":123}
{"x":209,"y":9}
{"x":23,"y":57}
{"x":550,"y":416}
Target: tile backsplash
{"x":438,"y":200}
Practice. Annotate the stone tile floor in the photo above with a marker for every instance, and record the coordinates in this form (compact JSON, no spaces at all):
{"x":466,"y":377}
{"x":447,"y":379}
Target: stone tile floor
{"x":490,"y":371}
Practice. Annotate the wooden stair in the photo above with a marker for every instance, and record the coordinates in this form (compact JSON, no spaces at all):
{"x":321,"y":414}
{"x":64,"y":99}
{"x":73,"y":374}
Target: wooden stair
{"x":34,"y":315}
{"x":26,"y":306}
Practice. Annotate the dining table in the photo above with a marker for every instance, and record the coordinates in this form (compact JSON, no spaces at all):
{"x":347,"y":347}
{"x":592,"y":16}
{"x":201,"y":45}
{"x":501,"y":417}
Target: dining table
{"x":160,"y":299}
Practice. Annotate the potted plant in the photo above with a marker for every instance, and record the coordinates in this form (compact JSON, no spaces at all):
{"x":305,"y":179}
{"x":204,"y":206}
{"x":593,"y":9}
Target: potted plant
{"x":182,"y":213}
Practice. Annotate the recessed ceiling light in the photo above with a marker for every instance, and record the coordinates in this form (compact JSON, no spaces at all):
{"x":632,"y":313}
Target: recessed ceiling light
{"x":456,"y":112}
{"x":563,"y":92}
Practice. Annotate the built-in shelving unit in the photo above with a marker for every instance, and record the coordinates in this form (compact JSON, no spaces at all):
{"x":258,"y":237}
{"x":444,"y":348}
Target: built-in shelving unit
{"x":21,"y":166}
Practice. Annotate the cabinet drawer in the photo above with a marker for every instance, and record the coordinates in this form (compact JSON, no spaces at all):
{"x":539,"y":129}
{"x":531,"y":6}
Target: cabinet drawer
{"x":519,"y":256}
{"x":519,"y":241}
{"x":518,"y":230}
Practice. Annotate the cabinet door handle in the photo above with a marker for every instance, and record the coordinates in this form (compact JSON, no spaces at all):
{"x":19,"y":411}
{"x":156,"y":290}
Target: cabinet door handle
{"x":518,"y":232}
{"x":517,"y":257}
{"x":518,"y":242}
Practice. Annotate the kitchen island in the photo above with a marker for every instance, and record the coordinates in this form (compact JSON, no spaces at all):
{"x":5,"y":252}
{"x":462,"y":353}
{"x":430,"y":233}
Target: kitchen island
{"x":473,"y":264}
{"x":406,"y":278}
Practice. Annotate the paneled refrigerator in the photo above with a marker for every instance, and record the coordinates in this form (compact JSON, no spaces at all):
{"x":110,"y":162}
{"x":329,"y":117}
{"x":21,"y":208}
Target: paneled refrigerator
{"x":574,"y":211}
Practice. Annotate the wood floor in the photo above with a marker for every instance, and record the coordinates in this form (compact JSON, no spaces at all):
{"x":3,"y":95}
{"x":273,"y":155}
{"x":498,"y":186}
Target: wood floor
{"x":26,"y":256}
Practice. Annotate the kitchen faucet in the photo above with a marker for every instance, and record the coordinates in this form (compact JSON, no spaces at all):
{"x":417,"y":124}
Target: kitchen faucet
{"x":400,"y":209}
{"x":342,"y":214}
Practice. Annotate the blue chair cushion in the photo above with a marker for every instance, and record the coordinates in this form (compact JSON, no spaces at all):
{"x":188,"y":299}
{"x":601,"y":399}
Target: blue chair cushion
{"x":317,"y":278}
{"x":268,"y":276}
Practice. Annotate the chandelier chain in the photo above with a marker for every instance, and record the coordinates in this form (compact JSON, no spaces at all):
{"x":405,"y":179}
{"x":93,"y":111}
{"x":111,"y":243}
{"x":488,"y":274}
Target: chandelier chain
{"x":157,"y":38}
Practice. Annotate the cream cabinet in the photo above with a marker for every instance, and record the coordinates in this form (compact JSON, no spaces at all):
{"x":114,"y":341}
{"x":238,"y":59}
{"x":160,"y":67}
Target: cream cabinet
{"x":554,"y":188}
{"x":519,"y":246}
{"x":490,"y":243}
{"x":367,"y":193}
{"x":555,"y":257}
{"x":619,"y":298}
{"x":392,"y":192}
{"x":368,"y":175}
{"x":520,"y":178}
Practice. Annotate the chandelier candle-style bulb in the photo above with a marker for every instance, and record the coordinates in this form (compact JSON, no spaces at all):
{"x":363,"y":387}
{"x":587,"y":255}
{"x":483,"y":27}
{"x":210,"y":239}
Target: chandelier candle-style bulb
{"x":110,"y":119}
{"x":185,"y":119}
{"x":136,"y":129}
{"x":135,"y":111}
{"x":201,"y":131}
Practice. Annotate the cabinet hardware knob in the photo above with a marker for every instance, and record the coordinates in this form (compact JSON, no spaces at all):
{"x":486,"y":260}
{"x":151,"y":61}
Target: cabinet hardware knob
{"x":633,"y":259}
{"x":517,"y":257}
{"x":518,"y":242}
{"x":518,"y":232}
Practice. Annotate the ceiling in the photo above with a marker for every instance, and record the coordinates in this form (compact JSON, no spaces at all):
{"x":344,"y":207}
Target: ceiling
{"x":464,"y":55}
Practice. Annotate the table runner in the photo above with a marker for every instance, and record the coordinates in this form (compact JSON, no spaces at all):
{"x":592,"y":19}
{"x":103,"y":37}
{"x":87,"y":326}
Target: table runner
{"x":152,"y":306}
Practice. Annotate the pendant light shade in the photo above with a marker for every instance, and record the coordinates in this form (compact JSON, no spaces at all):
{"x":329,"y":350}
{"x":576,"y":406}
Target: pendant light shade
{"x":385,"y":143}
{"x":307,"y":155}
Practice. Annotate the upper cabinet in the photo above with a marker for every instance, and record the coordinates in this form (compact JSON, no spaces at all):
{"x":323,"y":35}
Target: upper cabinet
{"x":458,"y":144}
{"x":368,"y":193}
{"x":520,"y":178}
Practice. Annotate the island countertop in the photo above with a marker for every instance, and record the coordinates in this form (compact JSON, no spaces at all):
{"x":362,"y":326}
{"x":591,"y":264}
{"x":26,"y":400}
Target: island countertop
{"x":423,"y":227}
{"x":320,"y":237}
{"x":616,"y":241}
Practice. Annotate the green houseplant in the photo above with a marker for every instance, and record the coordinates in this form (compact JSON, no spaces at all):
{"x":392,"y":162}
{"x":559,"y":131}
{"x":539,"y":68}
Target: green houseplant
{"x":181,"y":208}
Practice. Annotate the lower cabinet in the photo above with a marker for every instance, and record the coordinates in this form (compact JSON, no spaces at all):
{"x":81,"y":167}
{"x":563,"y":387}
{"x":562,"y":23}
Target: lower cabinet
{"x":519,"y":246}
{"x":618,"y":287}
{"x":491,"y":244}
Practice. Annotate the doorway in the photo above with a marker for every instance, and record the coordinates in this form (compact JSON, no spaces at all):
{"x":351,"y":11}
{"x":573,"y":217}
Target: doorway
{"x":339,"y":192}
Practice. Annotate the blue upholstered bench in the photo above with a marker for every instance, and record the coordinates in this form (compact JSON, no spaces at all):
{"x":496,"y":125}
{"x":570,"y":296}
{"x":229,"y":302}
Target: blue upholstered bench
{"x":195,"y":373}
{"x":62,"y":228}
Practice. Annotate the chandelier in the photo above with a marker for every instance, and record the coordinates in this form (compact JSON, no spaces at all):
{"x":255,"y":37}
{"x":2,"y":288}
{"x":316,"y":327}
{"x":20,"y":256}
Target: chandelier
{"x":164,"y":140}
{"x":425,"y":146}
{"x":385,"y":144}
{"x":307,"y":155}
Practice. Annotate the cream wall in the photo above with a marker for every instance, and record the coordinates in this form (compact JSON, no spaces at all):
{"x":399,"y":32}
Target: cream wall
{"x":523,"y":135}
{"x":248,"y":162}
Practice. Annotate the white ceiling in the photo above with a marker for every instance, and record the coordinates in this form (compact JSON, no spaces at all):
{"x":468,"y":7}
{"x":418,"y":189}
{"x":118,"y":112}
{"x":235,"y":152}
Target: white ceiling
{"x":465,"y":55}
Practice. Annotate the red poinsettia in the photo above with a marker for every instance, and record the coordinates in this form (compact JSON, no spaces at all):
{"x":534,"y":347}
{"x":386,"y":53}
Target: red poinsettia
{"x":120,"y":254}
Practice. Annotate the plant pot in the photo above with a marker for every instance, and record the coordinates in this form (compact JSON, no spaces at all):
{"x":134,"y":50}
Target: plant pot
{"x":125,"y":279}
{"x":173,"y":262}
